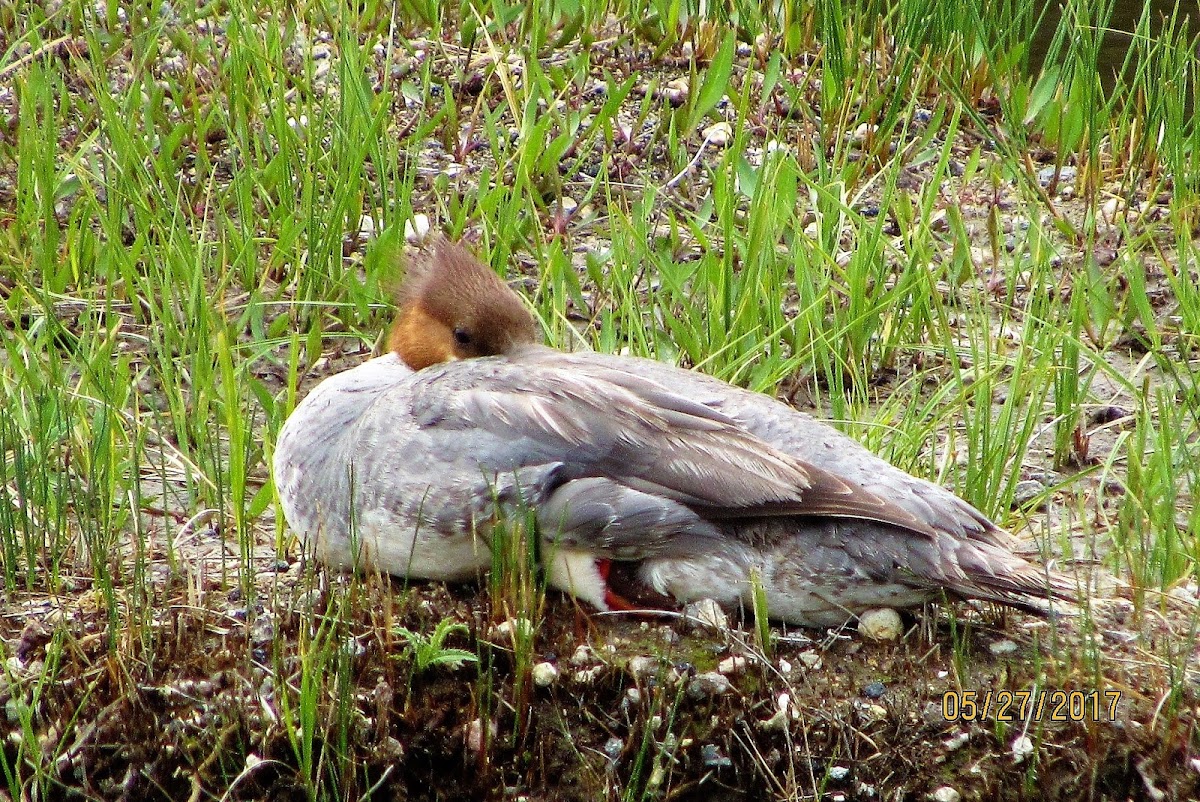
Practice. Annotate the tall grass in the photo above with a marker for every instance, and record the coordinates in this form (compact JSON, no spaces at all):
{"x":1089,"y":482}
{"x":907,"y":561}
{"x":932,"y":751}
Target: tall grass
{"x":202,"y":205}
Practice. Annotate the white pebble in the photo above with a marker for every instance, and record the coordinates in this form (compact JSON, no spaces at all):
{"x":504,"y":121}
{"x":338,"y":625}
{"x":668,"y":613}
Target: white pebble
{"x":513,"y":627}
{"x":957,"y":741}
{"x":732,"y":665}
{"x":677,"y":91}
{"x":366,"y":227}
{"x":708,"y":613}
{"x":642,"y":666}
{"x":860,"y":134}
{"x":1184,"y":593}
{"x":779,"y":721}
{"x":299,"y":125}
{"x":1022,"y":747}
{"x":945,"y":794}
{"x":1112,"y":208}
{"x":583,"y":655}
{"x":719,"y":134}
{"x":588,"y":675}
{"x":883,"y":624}
{"x":544,"y":674}
{"x":416,"y":231}
{"x":1002,"y":647}
{"x":811,"y":660}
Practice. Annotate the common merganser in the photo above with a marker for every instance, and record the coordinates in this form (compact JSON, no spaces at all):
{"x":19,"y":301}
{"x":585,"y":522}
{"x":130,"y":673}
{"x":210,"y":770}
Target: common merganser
{"x":697,"y":488}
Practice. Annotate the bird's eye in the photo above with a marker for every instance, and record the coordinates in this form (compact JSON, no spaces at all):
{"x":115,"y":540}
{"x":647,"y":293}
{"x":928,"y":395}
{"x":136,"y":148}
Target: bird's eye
{"x":462,"y":336}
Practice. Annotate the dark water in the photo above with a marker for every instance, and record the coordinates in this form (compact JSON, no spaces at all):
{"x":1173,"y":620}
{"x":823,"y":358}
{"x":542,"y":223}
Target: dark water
{"x":1119,"y":36}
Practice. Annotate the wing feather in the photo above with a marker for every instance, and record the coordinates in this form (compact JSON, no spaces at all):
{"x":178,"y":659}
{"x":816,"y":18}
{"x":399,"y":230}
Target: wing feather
{"x":601,"y":422}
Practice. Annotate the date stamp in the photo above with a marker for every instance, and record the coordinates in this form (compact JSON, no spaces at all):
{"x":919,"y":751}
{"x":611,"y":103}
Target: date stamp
{"x":1038,"y":705}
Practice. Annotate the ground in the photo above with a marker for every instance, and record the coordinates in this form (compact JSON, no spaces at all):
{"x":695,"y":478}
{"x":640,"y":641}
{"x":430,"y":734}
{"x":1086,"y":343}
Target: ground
{"x":216,"y":662}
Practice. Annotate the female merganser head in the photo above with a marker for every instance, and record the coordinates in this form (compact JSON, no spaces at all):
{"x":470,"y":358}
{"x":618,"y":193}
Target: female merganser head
{"x":451,"y":309}
{"x":698,"y":488}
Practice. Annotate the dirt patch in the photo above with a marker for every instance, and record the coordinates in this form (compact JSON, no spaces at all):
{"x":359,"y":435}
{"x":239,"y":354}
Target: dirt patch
{"x":309,"y":683}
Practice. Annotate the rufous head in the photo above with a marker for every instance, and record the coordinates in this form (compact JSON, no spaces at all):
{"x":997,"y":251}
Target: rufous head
{"x":454,"y":307}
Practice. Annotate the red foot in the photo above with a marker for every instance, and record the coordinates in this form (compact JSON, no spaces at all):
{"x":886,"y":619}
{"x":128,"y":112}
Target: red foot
{"x":614,"y":600}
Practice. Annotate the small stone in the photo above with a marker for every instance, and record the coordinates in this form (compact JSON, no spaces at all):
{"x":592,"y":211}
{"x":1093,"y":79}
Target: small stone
{"x":945,"y":794}
{"x":712,"y":757}
{"x":642,"y":667}
{"x":719,"y":134}
{"x":811,"y":660}
{"x":1002,"y":647}
{"x":779,"y":721}
{"x":473,"y":737}
{"x":299,"y":125}
{"x":708,"y":613}
{"x":587,"y":676}
{"x":956,"y":741}
{"x":838,"y":773}
{"x":1022,"y":747}
{"x":613,"y":748}
{"x":1108,"y":413}
{"x":1027,"y":492}
{"x":366,"y":227}
{"x":391,"y":749}
{"x":1184,"y":593}
{"x":1112,"y":208}
{"x":583,"y":655}
{"x":864,"y":130}
{"x":545,"y":674}
{"x":416,"y":231}
{"x":735,"y":664}
{"x":938,"y":221}
{"x":512,"y":627}
{"x":676,"y":91}
{"x":762,"y":46}
{"x":1066,"y":175}
{"x":882,"y":624}
{"x":708,"y":685}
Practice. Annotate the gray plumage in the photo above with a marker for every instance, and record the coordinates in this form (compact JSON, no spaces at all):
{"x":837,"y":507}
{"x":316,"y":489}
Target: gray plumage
{"x":700,"y":485}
